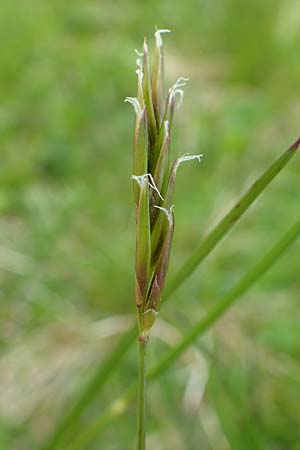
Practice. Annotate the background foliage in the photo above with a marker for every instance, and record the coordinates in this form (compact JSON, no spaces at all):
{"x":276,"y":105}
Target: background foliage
{"x":67,"y":226}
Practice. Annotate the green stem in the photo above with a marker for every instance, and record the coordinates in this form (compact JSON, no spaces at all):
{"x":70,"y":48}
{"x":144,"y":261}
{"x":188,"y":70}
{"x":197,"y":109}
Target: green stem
{"x":141,"y":419}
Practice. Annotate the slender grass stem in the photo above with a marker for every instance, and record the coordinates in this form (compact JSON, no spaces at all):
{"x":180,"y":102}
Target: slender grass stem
{"x":141,"y":414}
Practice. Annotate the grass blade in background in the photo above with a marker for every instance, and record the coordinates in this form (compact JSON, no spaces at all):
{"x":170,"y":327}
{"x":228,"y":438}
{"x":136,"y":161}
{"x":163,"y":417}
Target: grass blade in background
{"x":69,"y":420}
{"x":247,"y":281}
{"x":204,"y":249}
{"x":120,"y":405}
{"x":230,"y":219}
{"x":115,"y":409}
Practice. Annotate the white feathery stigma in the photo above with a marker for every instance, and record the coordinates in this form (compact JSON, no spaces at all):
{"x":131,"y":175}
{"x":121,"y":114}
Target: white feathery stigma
{"x":175,"y":90}
{"x":140,"y":75}
{"x":158,"y":38}
{"x":135,"y":103}
{"x":138,"y":53}
{"x":139,"y":63}
{"x":180,"y":82}
{"x":184,"y":158}
{"x":139,"y":59}
{"x":180,"y":93}
{"x":142,"y":180}
{"x":168,"y":212}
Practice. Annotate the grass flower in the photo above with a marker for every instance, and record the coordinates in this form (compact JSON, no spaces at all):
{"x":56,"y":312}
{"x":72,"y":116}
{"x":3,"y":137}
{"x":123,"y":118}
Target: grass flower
{"x":153,"y":187}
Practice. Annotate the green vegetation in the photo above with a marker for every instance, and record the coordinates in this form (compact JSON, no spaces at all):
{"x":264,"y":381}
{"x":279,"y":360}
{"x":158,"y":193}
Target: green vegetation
{"x":67,"y":228}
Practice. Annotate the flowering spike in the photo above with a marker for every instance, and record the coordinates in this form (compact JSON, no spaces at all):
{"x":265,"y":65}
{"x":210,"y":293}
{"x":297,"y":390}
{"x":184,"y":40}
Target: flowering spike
{"x":153,"y":180}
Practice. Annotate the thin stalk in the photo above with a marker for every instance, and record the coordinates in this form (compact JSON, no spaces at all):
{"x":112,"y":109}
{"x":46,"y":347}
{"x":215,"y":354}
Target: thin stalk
{"x":141,"y":418}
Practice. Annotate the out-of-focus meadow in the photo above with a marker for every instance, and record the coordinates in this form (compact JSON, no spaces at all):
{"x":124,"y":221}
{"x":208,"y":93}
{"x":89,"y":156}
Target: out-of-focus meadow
{"x":67,"y":225}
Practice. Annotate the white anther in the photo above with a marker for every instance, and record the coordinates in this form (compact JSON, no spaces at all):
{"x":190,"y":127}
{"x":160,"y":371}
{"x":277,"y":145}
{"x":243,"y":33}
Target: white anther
{"x":158,"y":38}
{"x":168,"y":212}
{"x":186,"y":157}
{"x":136,"y":104}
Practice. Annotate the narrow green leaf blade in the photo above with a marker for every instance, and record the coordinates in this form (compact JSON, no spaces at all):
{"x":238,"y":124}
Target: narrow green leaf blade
{"x":116,"y":409}
{"x":248,"y":280}
{"x":121,"y":404}
{"x":69,"y":420}
{"x":231,"y":218}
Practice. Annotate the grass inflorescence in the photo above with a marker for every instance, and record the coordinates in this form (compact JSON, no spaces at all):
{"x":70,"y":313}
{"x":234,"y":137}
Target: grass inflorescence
{"x":153,"y":188}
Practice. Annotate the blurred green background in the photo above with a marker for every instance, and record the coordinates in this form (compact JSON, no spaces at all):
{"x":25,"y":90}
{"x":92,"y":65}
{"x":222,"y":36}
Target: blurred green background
{"x":67,"y":225}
